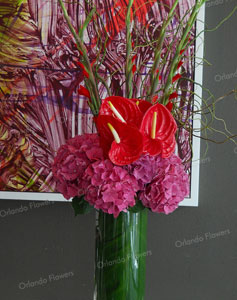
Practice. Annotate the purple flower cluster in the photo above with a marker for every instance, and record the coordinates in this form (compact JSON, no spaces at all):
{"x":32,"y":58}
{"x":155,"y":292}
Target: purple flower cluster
{"x":80,"y":169}
{"x":144,"y":170}
{"x":168,"y":188}
{"x":109,"y":187}
{"x":71,"y":162}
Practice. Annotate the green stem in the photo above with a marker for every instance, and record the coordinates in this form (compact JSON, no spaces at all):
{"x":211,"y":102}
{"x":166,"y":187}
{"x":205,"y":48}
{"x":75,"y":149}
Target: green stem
{"x":128,"y":67}
{"x":160,"y":42}
{"x":95,"y":97}
{"x":120,"y":256}
{"x":180,"y":46}
{"x":104,"y":83}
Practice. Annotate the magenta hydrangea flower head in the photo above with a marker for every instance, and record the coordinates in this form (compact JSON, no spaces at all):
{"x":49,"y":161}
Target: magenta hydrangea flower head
{"x":109,"y":188}
{"x":168,"y":188}
{"x":71,"y":161}
{"x":144,"y":169}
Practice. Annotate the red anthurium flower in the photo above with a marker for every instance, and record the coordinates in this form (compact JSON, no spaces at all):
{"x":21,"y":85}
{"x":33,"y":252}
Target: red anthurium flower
{"x":93,"y":62}
{"x":106,"y":136}
{"x":176,"y":77}
{"x":180,"y":64}
{"x":121,"y":142}
{"x":153,"y":148}
{"x":169,"y":147}
{"x":157,"y":71}
{"x":154,"y":99}
{"x":134,"y":57}
{"x":123,"y":109}
{"x":134,"y":68}
{"x":173,"y":95}
{"x":84,"y":91}
{"x":143,"y":105}
{"x":85,"y":73}
{"x":169,"y":106}
{"x":158,"y":128}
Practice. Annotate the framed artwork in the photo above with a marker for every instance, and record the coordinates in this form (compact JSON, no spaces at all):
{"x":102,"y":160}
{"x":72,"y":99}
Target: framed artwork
{"x":40,"y":107}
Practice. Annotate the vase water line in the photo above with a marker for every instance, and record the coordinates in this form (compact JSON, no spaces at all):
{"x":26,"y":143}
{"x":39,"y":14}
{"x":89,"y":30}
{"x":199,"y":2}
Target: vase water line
{"x":120,"y":260}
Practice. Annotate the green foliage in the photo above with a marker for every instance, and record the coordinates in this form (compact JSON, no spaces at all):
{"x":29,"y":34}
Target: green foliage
{"x":80,"y":206}
{"x":138,"y":207}
{"x":121,"y":256}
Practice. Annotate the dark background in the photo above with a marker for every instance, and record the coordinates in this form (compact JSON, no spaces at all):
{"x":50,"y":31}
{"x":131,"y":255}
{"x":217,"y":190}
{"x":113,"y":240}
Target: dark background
{"x":49,"y":240}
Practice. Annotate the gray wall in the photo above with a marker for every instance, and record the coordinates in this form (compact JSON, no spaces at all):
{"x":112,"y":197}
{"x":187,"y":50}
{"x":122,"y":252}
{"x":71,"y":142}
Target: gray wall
{"x":47,"y":241}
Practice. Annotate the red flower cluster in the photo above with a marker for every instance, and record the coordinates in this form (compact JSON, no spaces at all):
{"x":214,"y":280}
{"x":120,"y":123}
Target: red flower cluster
{"x":129,"y":128}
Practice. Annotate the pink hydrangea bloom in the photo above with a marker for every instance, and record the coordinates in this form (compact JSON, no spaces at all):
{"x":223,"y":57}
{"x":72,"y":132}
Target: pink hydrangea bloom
{"x":144,"y":169}
{"x":71,"y":161}
{"x":168,"y":188}
{"x":109,"y":188}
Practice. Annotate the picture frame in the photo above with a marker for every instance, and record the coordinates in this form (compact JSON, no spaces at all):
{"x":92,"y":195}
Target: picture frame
{"x":192,"y":200}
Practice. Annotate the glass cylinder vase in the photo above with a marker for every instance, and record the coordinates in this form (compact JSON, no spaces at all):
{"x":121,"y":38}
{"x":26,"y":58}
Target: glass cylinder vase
{"x":120,"y":256}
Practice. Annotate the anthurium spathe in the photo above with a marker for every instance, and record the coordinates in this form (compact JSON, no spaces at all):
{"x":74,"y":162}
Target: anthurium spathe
{"x":126,"y":110}
{"x":158,"y":128}
{"x":121,"y":142}
{"x":122,"y":122}
{"x":143,"y":105}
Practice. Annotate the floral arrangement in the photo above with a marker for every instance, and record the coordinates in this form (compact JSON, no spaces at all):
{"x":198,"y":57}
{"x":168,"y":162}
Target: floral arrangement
{"x":129,"y":163}
{"x":131,"y":157}
{"x":136,"y":76}
{"x":113,"y":117}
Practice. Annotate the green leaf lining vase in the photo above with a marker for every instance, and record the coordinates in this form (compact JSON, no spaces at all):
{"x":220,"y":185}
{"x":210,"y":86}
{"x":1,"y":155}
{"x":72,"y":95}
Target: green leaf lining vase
{"x":120,"y":256}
